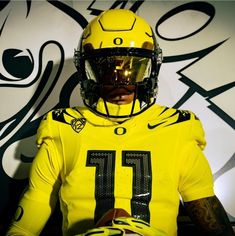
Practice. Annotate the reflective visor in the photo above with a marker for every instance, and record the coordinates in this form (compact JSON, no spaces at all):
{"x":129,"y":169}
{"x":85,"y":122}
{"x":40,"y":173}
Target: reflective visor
{"x":118,"y":69}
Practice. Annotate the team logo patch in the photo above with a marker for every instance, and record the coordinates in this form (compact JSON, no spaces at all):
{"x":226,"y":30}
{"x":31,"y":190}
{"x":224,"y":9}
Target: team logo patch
{"x":78,"y":124}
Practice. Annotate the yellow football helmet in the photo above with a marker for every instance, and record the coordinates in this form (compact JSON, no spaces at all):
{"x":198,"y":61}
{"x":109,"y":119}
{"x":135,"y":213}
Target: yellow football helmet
{"x":124,"y":226}
{"x":118,"y":49}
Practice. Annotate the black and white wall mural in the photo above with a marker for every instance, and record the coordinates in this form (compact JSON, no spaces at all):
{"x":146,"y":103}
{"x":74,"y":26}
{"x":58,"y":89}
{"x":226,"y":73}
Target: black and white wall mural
{"x":37,"y":42}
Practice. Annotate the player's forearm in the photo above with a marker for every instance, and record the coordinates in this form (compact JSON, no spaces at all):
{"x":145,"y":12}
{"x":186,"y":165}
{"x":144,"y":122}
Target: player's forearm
{"x":31,"y":214}
{"x":209,"y":215}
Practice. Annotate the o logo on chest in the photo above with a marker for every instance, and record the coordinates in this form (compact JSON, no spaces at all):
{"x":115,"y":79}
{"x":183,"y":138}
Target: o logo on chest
{"x":118,"y":41}
{"x":120,"y":130}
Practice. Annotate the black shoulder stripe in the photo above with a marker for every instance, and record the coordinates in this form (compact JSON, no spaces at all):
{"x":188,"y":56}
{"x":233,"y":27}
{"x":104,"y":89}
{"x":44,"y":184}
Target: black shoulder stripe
{"x":182,"y":115}
{"x":174,"y":116}
{"x":58,"y":115}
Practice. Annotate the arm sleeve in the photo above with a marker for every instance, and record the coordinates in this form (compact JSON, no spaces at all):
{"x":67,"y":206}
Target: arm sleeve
{"x":196,"y":180}
{"x":39,"y":200}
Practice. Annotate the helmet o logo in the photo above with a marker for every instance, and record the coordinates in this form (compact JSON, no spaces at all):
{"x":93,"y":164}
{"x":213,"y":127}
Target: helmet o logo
{"x":120,"y":131}
{"x":118,"y":41}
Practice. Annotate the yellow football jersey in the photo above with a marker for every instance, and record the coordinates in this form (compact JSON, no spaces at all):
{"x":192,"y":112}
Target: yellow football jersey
{"x":143,"y":165}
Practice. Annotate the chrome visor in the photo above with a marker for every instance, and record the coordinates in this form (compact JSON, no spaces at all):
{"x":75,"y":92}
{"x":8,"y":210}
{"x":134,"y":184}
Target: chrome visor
{"x":117,"y":69}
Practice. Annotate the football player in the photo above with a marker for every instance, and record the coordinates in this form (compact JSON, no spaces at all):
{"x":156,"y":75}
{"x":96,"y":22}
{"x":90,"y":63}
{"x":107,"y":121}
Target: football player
{"x":121,"y":150}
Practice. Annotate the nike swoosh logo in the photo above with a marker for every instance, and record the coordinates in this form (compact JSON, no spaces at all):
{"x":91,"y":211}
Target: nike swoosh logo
{"x":154,"y":126}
